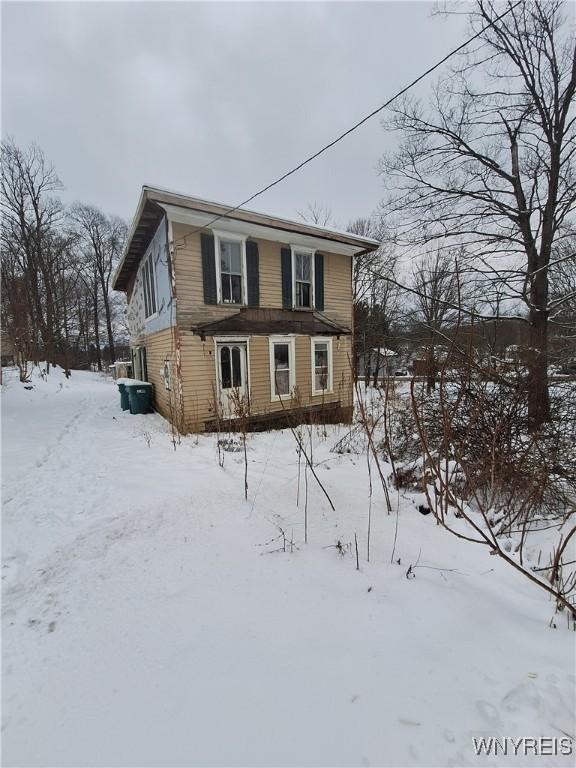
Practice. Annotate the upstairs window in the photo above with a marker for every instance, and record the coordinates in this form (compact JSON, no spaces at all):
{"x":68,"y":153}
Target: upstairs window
{"x":231,"y":269}
{"x":321,"y":366}
{"x":149,"y":283}
{"x":303,"y":271}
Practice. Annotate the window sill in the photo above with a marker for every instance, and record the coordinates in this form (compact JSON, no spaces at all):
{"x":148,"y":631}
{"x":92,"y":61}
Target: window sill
{"x":281,"y":398}
{"x":319,"y":393}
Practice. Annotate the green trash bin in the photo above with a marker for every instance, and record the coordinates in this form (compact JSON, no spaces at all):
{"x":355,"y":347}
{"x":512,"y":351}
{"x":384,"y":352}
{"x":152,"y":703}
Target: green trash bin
{"x":140,"y":397}
{"x":124,"y":399}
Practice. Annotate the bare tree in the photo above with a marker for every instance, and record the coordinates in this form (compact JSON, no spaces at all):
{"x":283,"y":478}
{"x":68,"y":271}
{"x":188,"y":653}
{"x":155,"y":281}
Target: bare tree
{"x":31,"y":215}
{"x":375,"y":296}
{"x":490,"y":164}
{"x":316,"y":213}
{"x":102,"y":238}
{"x":563,"y":306}
{"x":436,"y":291}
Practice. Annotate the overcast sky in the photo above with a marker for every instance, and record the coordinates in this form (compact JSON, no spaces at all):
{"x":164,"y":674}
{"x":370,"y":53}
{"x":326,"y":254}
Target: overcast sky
{"x":213,"y":99}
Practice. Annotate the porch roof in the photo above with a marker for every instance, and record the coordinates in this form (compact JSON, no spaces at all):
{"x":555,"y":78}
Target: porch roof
{"x":270,"y":322}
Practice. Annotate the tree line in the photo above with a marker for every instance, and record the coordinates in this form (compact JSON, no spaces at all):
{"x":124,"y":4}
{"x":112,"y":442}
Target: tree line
{"x":477,"y":226}
{"x":57,"y":267}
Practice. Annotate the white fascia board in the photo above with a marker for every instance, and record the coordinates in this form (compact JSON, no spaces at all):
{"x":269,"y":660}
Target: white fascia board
{"x":258,"y":231}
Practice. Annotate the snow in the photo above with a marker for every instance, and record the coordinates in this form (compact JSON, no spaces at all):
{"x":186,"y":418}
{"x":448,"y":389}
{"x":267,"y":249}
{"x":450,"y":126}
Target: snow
{"x":152,"y":618}
{"x":132,"y":382}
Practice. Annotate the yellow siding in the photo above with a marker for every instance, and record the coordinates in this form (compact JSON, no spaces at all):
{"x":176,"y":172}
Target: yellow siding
{"x":197,"y":359}
{"x":191,"y":309}
{"x":199,"y":377}
{"x":160,"y":347}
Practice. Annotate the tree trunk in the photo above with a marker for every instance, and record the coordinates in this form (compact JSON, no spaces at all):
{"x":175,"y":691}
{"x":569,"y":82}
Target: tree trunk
{"x":431,"y":367}
{"x":66,"y":343}
{"x":538,"y":396}
{"x":96,"y":328}
{"x":109,"y":326}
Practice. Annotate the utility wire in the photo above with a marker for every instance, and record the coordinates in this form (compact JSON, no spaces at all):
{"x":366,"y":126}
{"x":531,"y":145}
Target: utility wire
{"x":353,"y":128}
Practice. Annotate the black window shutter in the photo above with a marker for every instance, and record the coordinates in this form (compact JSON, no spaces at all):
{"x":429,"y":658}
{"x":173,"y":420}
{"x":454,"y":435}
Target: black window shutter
{"x":252,"y":273}
{"x":286,"y":254}
{"x":319,"y":282}
{"x":208,"y":267}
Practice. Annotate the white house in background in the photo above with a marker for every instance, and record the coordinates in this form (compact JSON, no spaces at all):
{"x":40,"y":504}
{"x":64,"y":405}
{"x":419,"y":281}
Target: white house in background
{"x":380,"y":361}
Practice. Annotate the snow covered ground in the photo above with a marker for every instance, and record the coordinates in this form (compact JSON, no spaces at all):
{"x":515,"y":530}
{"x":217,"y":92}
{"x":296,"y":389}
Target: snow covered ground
{"x":150,"y":620}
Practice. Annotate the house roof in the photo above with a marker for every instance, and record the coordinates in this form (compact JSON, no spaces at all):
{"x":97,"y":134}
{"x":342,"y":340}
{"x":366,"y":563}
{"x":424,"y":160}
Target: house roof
{"x":272,"y":321}
{"x":385,"y":352}
{"x":155,"y":203}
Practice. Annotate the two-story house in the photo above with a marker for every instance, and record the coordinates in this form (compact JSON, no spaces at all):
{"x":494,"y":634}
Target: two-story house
{"x":231,"y":310}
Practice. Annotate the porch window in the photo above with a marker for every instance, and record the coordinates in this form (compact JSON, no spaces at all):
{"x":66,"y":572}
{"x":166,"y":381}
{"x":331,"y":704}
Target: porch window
{"x":303,"y":271}
{"x":149,"y":284}
{"x":321,"y":366}
{"x":230,"y":263}
{"x":282,"y":372}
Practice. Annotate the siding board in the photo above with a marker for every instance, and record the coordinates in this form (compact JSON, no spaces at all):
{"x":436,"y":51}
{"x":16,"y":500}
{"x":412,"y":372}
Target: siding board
{"x":191,"y":309}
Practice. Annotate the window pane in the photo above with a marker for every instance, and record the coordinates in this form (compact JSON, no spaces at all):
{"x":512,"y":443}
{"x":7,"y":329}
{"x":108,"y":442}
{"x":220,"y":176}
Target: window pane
{"x":236,"y":289}
{"x":152,"y":286}
{"x":236,"y":258}
{"x":321,"y":355}
{"x":303,"y":268}
{"x":225,"y":367}
{"x":231,"y":257}
{"x":281,"y":356}
{"x":302,"y":294}
{"x":321,"y":379}
{"x":236,"y":368}
{"x":320,"y":365}
{"x":145,"y":291}
{"x":282,"y":382}
{"x":224,"y":257}
{"x":226,"y":288}
{"x":282,"y":369}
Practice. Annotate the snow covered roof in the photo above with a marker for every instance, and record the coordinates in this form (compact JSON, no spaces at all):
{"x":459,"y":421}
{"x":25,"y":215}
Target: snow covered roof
{"x":385,"y":352}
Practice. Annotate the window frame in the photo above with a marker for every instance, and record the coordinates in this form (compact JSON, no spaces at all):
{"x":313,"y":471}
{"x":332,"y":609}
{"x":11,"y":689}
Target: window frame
{"x":328,"y":340}
{"x":148,"y":271}
{"x":291,"y":342}
{"x":309,"y":252}
{"x":232,"y":237}
{"x":231,"y":340}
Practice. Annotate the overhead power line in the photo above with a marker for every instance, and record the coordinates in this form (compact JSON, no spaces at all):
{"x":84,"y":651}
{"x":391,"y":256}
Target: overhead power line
{"x":354,"y":127}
